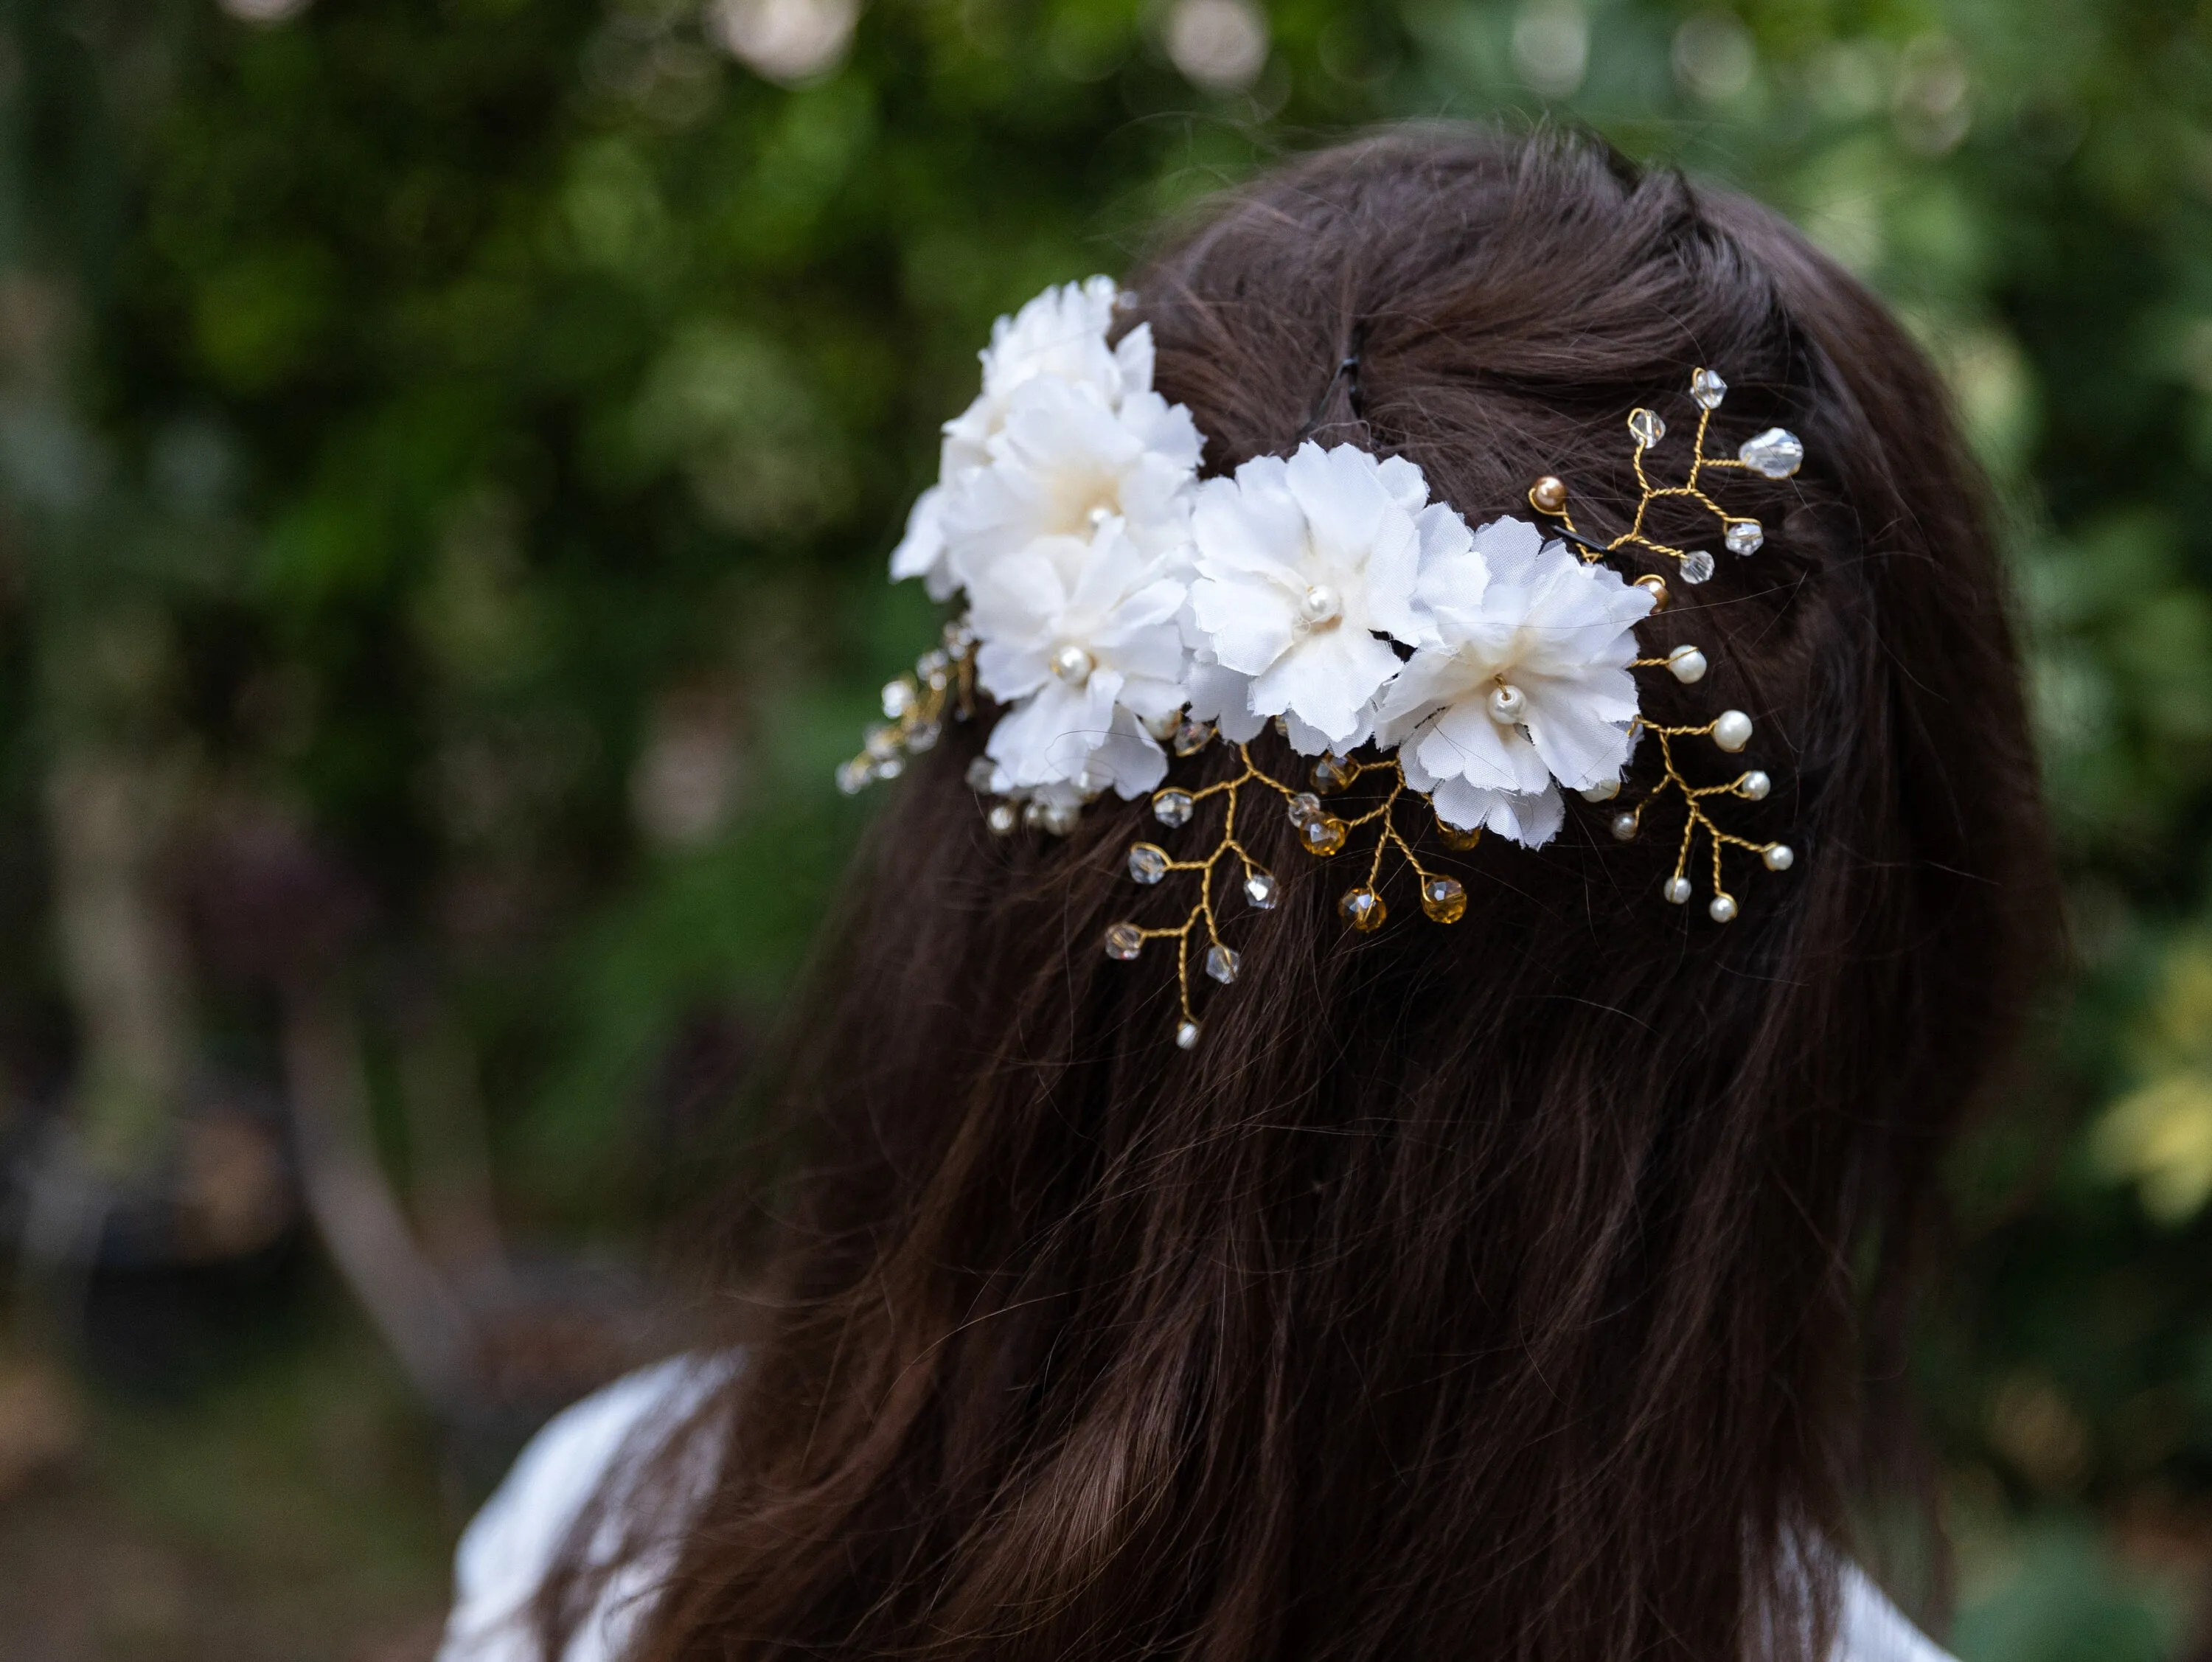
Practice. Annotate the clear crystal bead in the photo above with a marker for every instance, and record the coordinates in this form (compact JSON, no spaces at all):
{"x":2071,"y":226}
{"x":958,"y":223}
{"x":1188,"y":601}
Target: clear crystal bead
{"x":1192,"y":736}
{"x":931,"y":665}
{"x":1124,"y":940}
{"x":1776,"y":453}
{"x":959,"y":638}
{"x":980,"y":771}
{"x":1304,"y":808}
{"x":1745,"y":536}
{"x":890,"y":767}
{"x":1259,"y":889}
{"x":1222,"y":963}
{"x":881,"y":739}
{"x":1148,"y":863}
{"x":1172,"y":808}
{"x":1186,"y":1035}
{"x":1002,"y":818}
{"x":1707,"y":388}
{"x":1696,"y":567}
{"x":853,"y":777}
{"x":898,"y":698}
{"x":923,"y":735}
{"x":1060,"y":817}
{"x":1647,"y":427}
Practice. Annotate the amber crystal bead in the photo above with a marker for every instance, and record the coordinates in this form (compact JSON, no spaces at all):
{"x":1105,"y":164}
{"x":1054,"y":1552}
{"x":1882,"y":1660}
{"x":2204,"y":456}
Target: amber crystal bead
{"x":1363,"y":910}
{"x":1453,"y":837}
{"x":1443,"y":899}
{"x":1332,"y":774}
{"x":1325,"y":834}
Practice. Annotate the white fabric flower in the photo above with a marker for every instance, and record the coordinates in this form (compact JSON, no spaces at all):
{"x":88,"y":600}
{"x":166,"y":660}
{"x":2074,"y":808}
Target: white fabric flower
{"x":1062,"y":464}
{"x":1524,"y":687}
{"x":1079,"y":640}
{"x":1060,"y":336}
{"x":1300,"y":565}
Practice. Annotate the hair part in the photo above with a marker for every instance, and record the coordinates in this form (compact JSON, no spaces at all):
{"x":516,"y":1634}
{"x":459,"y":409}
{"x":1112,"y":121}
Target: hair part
{"x":1498,"y":1290}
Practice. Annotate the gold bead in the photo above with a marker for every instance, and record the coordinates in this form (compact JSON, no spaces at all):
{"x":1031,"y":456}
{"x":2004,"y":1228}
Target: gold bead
{"x":1548,"y":494}
{"x":1324,"y":834}
{"x":1453,"y":837}
{"x":1363,"y":910}
{"x":1657,"y":584}
{"x":1443,"y":899}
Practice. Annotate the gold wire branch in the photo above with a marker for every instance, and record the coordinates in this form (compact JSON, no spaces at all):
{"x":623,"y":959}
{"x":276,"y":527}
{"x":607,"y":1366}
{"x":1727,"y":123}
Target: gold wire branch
{"x":1741,"y":534}
{"x":915,"y":707}
{"x":1321,"y":833}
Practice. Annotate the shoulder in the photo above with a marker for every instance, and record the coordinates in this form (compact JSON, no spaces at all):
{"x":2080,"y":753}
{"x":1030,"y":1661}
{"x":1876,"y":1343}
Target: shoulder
{"x":506,"y":1550}
{"x":1872,"y":1629}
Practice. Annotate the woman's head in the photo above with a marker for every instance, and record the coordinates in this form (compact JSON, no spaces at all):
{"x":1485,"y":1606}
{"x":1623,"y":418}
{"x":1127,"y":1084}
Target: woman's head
{"x":1499,"y":1287}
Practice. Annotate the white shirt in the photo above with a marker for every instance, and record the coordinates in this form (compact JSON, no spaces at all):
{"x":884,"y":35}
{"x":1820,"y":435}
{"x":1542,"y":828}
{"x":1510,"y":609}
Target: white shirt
{"x":506,"y":1551}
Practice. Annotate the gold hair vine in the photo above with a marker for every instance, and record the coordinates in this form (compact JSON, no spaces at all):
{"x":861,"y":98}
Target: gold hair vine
{"x":1109,"y":590}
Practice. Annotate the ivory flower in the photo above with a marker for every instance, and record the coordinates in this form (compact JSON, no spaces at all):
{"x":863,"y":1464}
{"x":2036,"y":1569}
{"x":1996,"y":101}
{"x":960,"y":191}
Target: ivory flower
{"x":1524,"y":687}
{"x":1303,"y":566}
{"x":1060,"y":336}
{"x":1079,"y":640}
{"x":1061,"y":465}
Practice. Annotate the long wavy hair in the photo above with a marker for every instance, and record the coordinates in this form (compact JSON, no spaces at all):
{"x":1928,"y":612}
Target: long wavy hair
{"x":1507,"y":1290}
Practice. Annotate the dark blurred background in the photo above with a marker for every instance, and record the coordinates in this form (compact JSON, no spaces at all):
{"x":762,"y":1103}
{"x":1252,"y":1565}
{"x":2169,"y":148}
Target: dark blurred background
{"x":448,"y":453}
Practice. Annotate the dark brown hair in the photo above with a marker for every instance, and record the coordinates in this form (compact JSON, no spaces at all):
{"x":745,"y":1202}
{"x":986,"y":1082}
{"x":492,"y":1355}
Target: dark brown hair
{"x":1501,"y":1290}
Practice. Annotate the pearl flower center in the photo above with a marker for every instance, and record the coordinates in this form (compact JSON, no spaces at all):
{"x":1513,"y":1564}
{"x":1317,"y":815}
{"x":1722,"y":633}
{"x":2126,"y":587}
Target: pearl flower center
{"x":1321,"y":604}
{"x":1073,"y":664}
{"x":1508,"y":703}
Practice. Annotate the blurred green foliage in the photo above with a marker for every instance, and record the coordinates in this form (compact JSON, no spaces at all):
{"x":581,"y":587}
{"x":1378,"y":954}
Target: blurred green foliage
{"x":472,"y":429}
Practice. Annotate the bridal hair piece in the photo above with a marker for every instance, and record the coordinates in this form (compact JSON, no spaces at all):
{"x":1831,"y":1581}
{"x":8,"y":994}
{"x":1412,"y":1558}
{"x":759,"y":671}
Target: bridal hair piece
{"x":1122,"y":613}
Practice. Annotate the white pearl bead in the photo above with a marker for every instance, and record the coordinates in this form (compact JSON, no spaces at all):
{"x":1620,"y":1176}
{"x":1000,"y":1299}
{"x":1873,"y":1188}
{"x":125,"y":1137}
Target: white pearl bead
{"x":1187,"y":1036}
{"x":1508,"y":704}
{"x":1687,"y":663}
{"x":1604,"y":791}
{"x":1322,"y":605}
{"x":1722,"y":909}
{"x":1098,"y":517}
{"x":1779,"y":856}
{"x":1677,"y":891}
{"x":1624,"y":827}
{"x":1753,"y":786}
{"x":1073,"y":665}
{"x":1732,"y":732}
